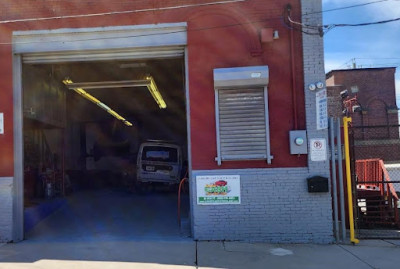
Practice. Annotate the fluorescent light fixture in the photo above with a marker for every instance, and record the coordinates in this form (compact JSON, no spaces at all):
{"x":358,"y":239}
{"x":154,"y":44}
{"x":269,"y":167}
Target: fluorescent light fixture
{"x":109,"y":84}
{"x":155,"y":93}
{"x":96,"y":101}
{"x":147,"y":82}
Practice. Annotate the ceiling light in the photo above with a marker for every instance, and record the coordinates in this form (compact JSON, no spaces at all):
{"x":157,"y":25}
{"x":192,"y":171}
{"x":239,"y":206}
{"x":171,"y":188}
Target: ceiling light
{"x":155,"y":93}
{"x":109,"y":84}
{"x":147,"y":82}
{"x":96,"y":101}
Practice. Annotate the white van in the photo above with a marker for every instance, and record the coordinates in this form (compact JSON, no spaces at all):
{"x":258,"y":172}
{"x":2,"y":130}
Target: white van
{"x":159,"y":162}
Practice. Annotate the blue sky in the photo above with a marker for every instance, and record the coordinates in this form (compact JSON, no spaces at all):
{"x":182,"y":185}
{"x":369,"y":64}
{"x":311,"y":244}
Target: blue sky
{"x":372,"y":46}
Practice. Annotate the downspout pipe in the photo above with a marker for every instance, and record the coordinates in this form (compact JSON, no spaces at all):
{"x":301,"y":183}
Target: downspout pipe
{"x":293,"y":70}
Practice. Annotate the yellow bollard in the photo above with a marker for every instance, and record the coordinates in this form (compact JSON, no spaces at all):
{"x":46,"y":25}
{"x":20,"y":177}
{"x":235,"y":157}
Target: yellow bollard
{"x":346,"y":121}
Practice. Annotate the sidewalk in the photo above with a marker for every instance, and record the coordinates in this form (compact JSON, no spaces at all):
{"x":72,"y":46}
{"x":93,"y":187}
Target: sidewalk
{"x":368,"y":254}
{"x":106,"y":253}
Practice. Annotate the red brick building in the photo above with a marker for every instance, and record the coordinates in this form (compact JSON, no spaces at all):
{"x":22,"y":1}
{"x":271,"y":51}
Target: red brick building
{"x":232,"y":74}
{"x":376,"y":122}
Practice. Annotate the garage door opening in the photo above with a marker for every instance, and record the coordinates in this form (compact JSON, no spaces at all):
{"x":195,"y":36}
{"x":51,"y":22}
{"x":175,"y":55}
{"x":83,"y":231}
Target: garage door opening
{"x":105,"y":147}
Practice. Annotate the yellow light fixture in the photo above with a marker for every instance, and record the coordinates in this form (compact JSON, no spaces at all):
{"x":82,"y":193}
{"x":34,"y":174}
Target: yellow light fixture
{"x":96,"y":101}
{"x":155,"y":92}
{"x":148,"y":82}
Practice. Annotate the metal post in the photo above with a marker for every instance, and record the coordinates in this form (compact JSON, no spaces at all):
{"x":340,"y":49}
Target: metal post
{"x":63,"y":162}
{"x":334,"y":185}
{"x":341,"y":187}
{"x":346,"y":121}
{"x":18,"y":182}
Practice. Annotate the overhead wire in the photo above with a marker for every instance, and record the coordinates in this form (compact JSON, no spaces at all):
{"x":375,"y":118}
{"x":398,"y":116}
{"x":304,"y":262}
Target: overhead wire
{"x":363,"y":24}
{"x":152,"y":34}
{"x":347,"y":7}
{"x":317,"y":29}
{"x":290,"y":23}
{"x":323,"y":29}
{"x":120,"y":12}
{"x":352,"y":62}
{"x":378,"y":58}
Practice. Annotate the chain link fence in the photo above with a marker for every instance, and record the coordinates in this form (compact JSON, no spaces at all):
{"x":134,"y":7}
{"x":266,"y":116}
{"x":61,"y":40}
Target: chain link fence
{"x":376,"y":161}
{"x":379,"y":142}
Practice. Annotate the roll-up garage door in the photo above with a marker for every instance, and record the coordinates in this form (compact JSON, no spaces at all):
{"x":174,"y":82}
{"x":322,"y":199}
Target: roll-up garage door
{"x":101,"y":44}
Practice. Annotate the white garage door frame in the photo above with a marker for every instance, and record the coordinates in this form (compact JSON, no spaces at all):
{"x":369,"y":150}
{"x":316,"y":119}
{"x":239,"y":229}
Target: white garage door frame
{"x":158,"y":41}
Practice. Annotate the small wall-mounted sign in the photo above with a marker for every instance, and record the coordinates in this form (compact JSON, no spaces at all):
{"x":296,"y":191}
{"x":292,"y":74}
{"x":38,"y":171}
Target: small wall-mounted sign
{"x":318,"y":150}
{"x":1,"y":123}
{"x":218,"y":190}
{"x":322,"y":110}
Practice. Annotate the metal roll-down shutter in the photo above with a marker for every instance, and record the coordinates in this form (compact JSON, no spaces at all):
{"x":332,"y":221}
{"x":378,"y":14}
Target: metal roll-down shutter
{"x":241,"y":100}
{"x":104,"y":55}
{"x":242,"y":124}
{"x":101,"y":44}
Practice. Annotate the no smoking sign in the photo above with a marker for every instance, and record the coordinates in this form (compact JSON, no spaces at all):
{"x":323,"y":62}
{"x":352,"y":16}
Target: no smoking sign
{"x":318,"y":149}
{"x":318,"y":145}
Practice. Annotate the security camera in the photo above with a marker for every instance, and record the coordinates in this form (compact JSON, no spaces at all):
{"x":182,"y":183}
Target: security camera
{"x":344,"y":94}
{"x":357,"y":108}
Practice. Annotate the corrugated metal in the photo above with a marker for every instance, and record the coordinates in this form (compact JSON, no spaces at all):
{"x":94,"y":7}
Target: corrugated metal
{"x":104,"y":55}
{"x":164,"y":40}
{"x":242,"y":122}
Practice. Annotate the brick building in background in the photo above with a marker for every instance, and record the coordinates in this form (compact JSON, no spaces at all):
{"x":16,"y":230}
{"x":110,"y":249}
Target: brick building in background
{"x":376,"y":131}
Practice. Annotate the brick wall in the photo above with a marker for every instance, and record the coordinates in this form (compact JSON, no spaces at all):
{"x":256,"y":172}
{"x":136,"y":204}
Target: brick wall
{"x":377,"y":97}
{"x":275,"y":205}
{"x":313,"y":72}
{"x":334,"y":101}
{"x":6,"y":205}
{"x":376,"y":93}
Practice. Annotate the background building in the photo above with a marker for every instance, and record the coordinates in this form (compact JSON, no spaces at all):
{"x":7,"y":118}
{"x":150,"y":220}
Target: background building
{"x":376,"y":131}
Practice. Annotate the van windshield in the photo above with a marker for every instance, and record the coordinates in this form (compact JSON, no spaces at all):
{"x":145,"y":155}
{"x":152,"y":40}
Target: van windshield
{"x":162,"y":154}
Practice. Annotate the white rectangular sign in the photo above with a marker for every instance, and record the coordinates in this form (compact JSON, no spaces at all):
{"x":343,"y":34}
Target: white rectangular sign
{"x":218,"y":190}
{"x":318,"y":149}
{"x":1,"y":123}
{"x":322,"y":110}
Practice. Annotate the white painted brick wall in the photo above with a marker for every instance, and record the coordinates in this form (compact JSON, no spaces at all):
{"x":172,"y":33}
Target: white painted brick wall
{"x":6,"y":205}
{"x":276,"y":206}
{"x":314,"y":71}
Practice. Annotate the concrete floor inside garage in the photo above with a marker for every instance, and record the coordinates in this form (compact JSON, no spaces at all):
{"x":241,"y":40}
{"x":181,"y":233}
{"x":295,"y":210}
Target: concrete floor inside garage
{"x":114,"y":214}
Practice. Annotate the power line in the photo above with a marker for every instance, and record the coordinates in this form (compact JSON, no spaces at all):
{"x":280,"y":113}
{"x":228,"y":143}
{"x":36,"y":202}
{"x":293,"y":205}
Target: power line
{"x":362,"y":24}
{"x":352,"y":62}
{"x":289,"y":23}
{"x":121,"y":12}
{"x":323,"y":29}
{"x":348,"y":7}
{"x":153,"y":34}
{"x":378,"y":58}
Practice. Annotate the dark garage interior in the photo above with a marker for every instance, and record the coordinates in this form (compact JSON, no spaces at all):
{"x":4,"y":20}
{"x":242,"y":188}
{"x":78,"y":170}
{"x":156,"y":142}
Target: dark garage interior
{"x":81,"y":147}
